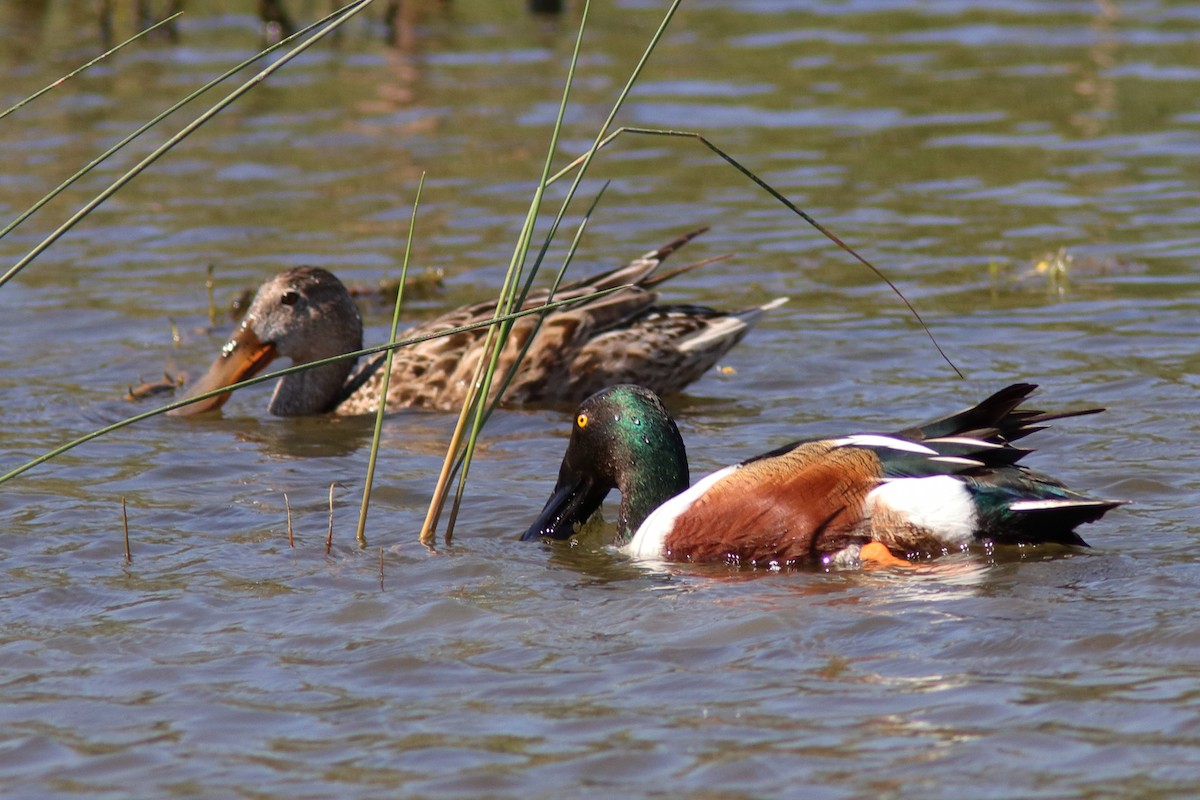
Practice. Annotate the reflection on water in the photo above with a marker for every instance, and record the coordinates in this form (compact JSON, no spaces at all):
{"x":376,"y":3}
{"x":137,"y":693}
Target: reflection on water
{"x":960,"y":146}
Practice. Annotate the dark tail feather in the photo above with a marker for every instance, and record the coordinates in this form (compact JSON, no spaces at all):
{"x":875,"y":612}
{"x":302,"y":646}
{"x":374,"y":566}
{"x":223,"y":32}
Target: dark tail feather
{"x":637,"y":271}
{"x":666,"y":250}
{"x":981,"y":416}
{"x":996,"y":419}
{"x":1054,"y":521}
{"x":1027,"y":422}
{"x":651,"y":282}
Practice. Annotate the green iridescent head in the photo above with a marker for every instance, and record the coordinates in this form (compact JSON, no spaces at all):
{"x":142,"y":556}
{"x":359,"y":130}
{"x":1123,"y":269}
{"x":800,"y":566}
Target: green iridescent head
{"x":623,"y":438}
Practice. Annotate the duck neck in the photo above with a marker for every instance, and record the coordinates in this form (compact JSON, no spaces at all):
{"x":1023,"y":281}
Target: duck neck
{"x":648,"y":484}
{"x":312,"y":391}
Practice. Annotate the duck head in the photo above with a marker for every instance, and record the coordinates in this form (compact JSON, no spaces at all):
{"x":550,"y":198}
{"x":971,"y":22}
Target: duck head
{"x":623,"y":438}
{"x":305,"y":314}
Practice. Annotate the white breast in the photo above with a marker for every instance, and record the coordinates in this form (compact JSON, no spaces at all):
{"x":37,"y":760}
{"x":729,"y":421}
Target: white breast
{"x":652,"y":534}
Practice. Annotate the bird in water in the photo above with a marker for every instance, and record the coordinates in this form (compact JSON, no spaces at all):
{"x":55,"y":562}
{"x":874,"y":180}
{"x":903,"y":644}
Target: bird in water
{"x":927,"y":490}
{"x":306,"y":314}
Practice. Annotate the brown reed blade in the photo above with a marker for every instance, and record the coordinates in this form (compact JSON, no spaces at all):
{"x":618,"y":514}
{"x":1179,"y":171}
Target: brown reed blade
{"x":288,"y":505}
{"x":329,"y":538}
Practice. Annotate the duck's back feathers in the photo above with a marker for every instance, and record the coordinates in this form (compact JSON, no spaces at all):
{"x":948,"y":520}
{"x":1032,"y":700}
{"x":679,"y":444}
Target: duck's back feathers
{"x":622,"y":337}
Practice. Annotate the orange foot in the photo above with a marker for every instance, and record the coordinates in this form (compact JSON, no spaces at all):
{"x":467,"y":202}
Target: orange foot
{"x":876,"y":555}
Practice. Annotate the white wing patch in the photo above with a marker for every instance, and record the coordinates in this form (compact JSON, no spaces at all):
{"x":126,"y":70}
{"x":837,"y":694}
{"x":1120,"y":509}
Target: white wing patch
{"x":874,"y":440}
{"x":726,"y":328}
{"x":941,"y":505}
{"x":1044,"y":505}
{"x":713,"y":332}
{"x":652,"y":534}
{"x":967,"y":440}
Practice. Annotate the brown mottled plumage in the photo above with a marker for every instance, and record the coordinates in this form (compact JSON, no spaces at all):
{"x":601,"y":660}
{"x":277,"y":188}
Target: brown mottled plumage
{"x":305,"y":313}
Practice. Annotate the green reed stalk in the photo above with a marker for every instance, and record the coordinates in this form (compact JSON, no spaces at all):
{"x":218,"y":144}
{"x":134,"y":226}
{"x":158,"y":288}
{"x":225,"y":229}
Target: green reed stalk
{"x":168,"y":145}
{"x":481,"y":413}
{"x":88,"y":65}
{"x":386,"y":378}
{"x":29,"y":212}
{"x":583,"y":160}
{"x":463,"y":461}
{"x":506,"y":301}
{"x":368,"y":351}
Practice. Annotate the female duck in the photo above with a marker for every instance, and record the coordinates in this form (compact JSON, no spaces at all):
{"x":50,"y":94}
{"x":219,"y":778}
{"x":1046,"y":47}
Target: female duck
{"x":307,"y":314}
{"x":935,"y":488}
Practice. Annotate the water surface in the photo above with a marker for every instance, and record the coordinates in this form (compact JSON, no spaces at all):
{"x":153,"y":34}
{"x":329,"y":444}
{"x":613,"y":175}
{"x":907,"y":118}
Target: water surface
{"x":957,"y":145}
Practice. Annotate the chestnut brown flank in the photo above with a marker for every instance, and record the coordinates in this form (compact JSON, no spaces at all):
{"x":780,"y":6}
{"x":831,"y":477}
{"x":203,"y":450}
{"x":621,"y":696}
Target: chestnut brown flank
{"x":786,"y":509}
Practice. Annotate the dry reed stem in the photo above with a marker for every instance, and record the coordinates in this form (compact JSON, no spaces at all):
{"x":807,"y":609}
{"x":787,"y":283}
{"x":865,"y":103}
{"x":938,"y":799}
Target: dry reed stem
{"x":439,"y":493}
{"x":212,"y":302}
{"x":288,"y":505}
{"x":329,"y":538}
{"x":464,"y":458}
{"x":521,"y":251}
{"x":508,"y":298}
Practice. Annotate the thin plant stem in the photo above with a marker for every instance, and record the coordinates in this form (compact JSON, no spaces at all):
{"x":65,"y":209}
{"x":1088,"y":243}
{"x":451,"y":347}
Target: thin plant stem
{"x":51,"y":454}
{"x":212,"y":300}
{"x":527,"y":231}
{"x":479,"y":389}
{"x":329,"y":538}
{"x":507,"y":299}
{"x":166,"y":146}
{"x":288,"y":505}
{"x":89,"y":64}
{"x":95,"y":162}
{"x":386,"y":378}
{"x":464,"y":458}
{"x":437,"y":502}
{"x":125,"y":525}
{"x":583,"y":160}
{"x":503,"y":303}
{"x":381,"y":568}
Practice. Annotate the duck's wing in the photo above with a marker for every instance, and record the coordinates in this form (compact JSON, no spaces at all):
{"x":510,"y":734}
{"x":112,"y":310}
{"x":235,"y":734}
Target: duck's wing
{"x":574,"y":350}
{"x":663,"y":348}
{"x":435,"y":373}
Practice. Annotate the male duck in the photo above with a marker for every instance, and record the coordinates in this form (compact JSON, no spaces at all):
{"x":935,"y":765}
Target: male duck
{"x":927,"y":490}
{"x":307,"y":314}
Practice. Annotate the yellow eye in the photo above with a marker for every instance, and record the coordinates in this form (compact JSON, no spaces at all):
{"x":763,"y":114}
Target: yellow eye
{"x":581,"y":420}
